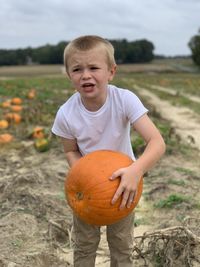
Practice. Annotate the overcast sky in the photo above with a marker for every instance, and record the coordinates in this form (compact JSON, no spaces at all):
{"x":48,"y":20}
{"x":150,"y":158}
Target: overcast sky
{"x":168,"y":24}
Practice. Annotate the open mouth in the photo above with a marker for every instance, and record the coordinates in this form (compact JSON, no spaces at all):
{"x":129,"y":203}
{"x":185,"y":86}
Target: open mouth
{"x":88,"y":87}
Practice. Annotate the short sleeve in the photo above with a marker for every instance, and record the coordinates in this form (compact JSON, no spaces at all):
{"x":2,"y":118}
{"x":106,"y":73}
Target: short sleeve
{"x":133,"y":106}
{"x":60,"y":126}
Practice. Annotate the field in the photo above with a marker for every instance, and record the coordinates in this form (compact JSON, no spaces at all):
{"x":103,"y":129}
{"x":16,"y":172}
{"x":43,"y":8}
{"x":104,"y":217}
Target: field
{"x":35,"y":221}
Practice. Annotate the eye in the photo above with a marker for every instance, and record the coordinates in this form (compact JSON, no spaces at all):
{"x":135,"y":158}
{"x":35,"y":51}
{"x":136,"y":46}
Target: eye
{"x":76,"y":69}
{"x":94,"y":68}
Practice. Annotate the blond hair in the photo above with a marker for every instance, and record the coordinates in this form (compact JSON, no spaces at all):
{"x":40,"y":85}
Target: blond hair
{"x":88,"y":42}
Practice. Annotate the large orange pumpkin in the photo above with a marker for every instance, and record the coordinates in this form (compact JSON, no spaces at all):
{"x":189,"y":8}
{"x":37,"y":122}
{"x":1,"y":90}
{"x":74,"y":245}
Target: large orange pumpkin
{"x":89,"y":190}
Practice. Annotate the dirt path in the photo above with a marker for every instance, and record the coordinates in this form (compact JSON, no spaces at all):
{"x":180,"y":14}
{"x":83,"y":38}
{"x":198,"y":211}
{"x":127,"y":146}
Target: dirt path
{"x":185,"y":122}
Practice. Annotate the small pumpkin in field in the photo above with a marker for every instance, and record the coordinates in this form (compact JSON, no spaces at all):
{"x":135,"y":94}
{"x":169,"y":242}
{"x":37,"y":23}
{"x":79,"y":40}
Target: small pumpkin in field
{"x":42,"y":144}
{"x":4,"y":124}
{"x":38,"y":132}
{"x":16,"y":101}
{"x":16,"y":108}
{"x":6,"y":104}
{"x":5,"y":138}
{"x":89,"y":190}
{"x":31,"y":94}
{"x":13,"y":117}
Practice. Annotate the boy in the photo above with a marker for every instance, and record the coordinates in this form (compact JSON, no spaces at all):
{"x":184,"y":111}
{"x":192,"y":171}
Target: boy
{"x":98,"y":116}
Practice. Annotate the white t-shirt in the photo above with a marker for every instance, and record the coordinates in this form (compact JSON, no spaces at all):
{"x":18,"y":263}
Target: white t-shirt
{"x":107,"y":128}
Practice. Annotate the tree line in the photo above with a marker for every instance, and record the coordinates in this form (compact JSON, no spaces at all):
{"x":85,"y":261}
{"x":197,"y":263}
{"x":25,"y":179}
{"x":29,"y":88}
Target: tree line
{"x":138,"y":51}
{"x":194,"y":45}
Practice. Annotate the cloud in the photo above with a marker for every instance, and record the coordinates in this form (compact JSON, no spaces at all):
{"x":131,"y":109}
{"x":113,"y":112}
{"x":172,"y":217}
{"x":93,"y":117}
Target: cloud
{"x":169,"y":24}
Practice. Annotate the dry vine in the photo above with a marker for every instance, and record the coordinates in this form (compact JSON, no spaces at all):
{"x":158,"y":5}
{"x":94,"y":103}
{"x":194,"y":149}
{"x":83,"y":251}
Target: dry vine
{"x":174,"y":246}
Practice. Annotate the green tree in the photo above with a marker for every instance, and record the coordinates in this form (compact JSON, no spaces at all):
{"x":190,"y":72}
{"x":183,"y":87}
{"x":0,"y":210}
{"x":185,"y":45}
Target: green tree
{"x":133,"y":52}
{"x":194,"y":45}
{"x":125,"y":52}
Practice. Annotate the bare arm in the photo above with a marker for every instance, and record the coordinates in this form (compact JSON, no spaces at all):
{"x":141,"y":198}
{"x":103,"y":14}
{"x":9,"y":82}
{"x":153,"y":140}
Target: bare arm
{"x":155,"y":145}
{"x":155,"y":148}
{"x":71,"y":151}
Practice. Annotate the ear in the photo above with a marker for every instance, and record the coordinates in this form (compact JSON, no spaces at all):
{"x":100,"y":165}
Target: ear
{"x":112,"y":72}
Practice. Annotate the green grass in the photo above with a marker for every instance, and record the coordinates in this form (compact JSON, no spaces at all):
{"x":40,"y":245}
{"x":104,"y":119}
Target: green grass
{"x":17,"y":243}
{"x":61,"y":196}
{"x":50,"y":94}
{"x":167,"y":131}
{"x":176,"y":182}
{"x":181,"y":82}
{"x":53,"y":90}
{"x":185,"y":171}
{"x":171,"y":201}
{"x":140,"y":221}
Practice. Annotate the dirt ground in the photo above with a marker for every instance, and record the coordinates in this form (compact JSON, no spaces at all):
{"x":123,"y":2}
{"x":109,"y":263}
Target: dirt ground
{"x":35,"y":221}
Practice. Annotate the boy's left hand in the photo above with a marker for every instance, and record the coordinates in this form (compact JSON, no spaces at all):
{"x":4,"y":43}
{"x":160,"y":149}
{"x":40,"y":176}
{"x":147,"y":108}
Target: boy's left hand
{"x":127,"y":187}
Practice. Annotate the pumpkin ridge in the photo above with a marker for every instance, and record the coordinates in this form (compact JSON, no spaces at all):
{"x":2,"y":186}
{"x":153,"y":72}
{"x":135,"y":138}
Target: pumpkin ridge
{"x":94,"y":185}
{"x":103,"y":182}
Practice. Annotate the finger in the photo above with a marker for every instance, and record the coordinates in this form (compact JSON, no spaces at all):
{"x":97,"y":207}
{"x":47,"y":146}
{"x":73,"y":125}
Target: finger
{"x":124,"y":200}
{"x":130,"y":199}
{"x":116,"y":174}
{"x":117,"y":194}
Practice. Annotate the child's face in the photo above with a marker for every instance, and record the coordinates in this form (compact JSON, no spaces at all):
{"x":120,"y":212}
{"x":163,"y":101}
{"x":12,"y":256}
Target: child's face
{"x":90,"y":74}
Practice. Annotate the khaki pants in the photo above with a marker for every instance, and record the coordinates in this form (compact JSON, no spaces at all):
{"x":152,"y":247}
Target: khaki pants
{"x":119,"y":237}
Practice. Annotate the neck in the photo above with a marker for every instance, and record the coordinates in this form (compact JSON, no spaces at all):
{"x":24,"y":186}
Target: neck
{"x":94,"y":104}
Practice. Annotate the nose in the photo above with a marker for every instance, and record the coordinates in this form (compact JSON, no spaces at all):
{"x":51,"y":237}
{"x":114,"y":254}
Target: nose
{"x":86,"y":74}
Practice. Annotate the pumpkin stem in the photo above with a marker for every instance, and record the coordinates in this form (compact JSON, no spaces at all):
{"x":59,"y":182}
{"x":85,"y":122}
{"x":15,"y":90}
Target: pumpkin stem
{"x":79,"y":195}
